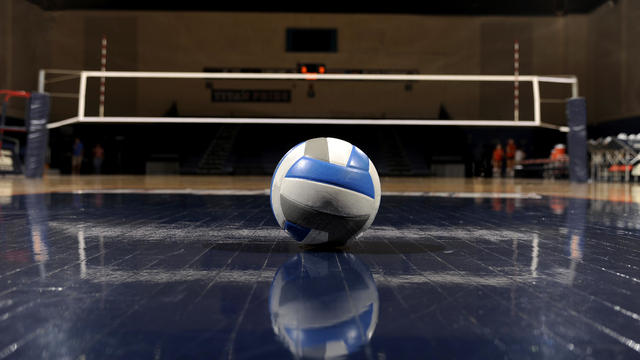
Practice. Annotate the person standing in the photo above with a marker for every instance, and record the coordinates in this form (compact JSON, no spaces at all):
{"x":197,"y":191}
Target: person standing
{"x":520,"y":155}
{"x":98,"y":157}
{"x":498,"y":155}
{"x":511,"y":155}
{"x":76,"y":158}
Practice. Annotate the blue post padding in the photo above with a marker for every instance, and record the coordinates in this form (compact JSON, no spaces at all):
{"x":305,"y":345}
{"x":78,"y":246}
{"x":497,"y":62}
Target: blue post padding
{"x":298,"y":232}
{"x":341,"y":176}
{"x":577,"y":139}
{"x":358,"y":160}
{"x":36,"y":122}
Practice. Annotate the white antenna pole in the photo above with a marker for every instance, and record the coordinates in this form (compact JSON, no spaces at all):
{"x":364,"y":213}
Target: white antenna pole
{"x":103,"y":67}
{"x":516,"y":81}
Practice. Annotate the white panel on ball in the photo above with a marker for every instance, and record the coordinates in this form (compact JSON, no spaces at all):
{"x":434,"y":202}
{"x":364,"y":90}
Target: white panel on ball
{"x":339,"y":151}
{"x":285,"y":163}
{"x":376,"y":183}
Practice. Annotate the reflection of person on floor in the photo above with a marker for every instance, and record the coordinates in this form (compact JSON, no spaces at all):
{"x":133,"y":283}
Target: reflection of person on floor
{"x":98,"y":157}
{"x":498,"y":155}
{"x":76,"y":158}
{"x":511,"y":154}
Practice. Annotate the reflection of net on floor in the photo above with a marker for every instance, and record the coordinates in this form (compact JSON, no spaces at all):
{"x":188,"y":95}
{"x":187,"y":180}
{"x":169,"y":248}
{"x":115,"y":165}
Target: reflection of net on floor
{"x":294,"y":98}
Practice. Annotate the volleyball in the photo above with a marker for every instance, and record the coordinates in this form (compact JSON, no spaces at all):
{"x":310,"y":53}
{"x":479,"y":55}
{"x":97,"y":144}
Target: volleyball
{"x":325,"y":191}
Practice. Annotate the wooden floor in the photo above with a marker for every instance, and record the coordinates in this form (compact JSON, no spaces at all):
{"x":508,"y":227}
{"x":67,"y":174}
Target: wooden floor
{"x":16,"y":185}
{"x":176,"y":276}
{"x":168,"y":275}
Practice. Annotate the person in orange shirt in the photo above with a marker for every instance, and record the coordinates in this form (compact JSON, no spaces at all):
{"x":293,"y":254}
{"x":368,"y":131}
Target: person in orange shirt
{"x":498,"y":155}
{"x":511,"y":155}
{"x":559,"y":152}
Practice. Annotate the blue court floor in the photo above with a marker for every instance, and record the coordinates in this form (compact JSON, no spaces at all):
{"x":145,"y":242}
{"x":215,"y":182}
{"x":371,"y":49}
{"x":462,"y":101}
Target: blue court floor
{"x":180,"y":276}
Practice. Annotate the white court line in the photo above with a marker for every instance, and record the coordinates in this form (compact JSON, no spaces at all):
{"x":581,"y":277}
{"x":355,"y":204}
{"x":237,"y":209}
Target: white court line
{"x":472,"y":195}
{"x":467,"y":195}
{"x":173,"y":191}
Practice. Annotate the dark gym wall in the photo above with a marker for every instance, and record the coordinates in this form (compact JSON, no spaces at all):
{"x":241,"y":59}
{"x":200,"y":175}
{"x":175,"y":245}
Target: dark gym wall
{"x":428,"y":44}
{"x":23,"y":48}
{"x":613,"y":53}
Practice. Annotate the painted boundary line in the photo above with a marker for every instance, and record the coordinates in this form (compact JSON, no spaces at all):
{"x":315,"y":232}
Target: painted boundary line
{"x":464,"y":195}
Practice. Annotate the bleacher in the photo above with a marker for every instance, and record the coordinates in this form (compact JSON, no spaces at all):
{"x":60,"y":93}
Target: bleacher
{"x":615,"y":158}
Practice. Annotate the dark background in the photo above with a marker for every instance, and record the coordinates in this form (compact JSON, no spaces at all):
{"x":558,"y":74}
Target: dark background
{"x":595,"y":40}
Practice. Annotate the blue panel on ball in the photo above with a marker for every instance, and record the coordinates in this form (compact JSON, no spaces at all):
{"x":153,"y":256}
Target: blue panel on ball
{"x":298,"y":232}
{"x":358,"y":160}
{"x":324,"y":172}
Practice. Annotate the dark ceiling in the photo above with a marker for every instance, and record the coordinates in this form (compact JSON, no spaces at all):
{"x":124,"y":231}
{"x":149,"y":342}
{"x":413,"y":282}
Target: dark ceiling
{"x":424,"y":7}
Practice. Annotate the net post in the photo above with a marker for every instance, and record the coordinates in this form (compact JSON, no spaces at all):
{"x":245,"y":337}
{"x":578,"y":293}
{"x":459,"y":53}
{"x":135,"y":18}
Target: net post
{"x":574,"y":88}
{"x":536,"y":100}
{"x":36,"y":121}
{"x":516,"y":81}
{"x":103,"y":68}
{"x":81,"y":94}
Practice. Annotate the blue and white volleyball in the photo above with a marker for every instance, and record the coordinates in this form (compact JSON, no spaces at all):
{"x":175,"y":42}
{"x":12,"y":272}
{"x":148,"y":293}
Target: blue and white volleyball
{"x":325,"y":191}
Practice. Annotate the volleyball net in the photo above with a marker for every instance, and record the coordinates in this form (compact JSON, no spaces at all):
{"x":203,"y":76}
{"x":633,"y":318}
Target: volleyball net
{"x":307,"y":98}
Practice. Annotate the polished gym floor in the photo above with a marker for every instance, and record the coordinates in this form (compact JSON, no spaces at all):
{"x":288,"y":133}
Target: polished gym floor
{"x":106,"y":267}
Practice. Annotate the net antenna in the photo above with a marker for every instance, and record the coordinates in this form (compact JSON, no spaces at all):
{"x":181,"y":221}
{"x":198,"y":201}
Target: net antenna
{"x":103,"y":67}
{"x":81,"y":116}
{"x":516,"y":81}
